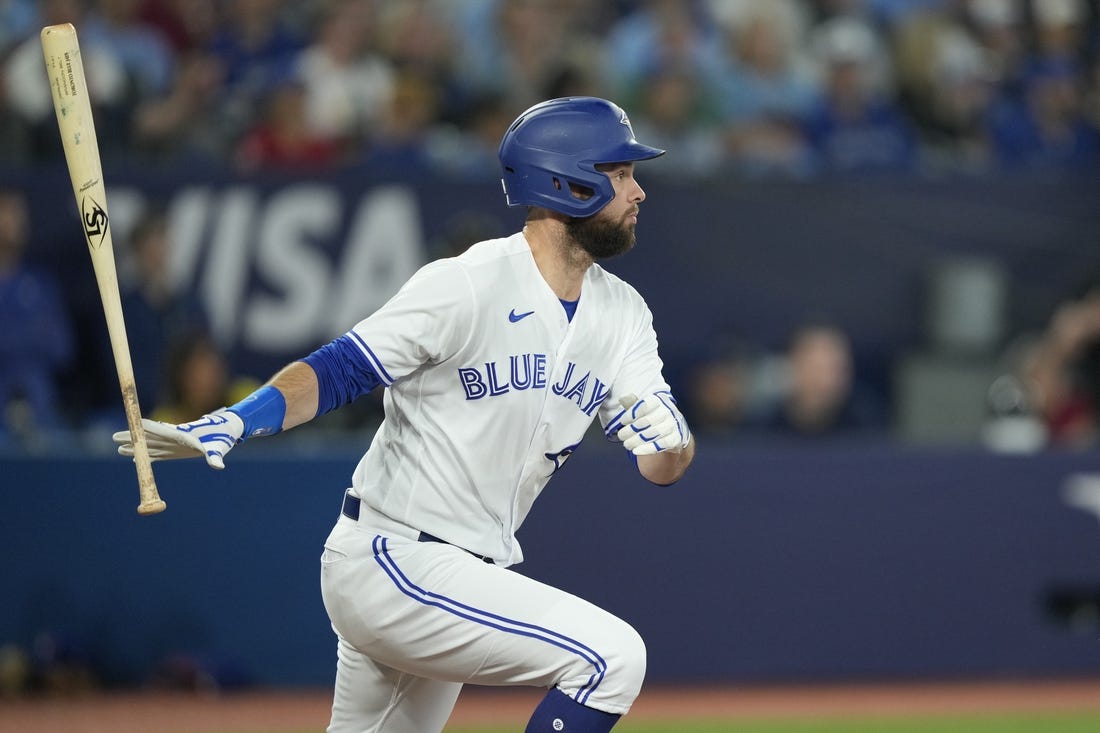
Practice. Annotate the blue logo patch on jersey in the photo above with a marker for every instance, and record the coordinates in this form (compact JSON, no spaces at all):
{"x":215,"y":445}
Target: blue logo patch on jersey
{"x":516,"y":317}
{"x":561,"y":456}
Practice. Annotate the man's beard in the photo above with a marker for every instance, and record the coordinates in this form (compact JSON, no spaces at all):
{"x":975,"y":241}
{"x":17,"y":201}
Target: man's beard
{"x":601,"y":237}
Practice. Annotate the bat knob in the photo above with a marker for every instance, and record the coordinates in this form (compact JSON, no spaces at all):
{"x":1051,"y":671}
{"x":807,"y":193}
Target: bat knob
{"x":152,"y":507}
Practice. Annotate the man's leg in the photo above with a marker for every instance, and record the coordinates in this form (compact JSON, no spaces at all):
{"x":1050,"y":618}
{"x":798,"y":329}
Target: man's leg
{"x":559,"y":712}
{"x":372,"y":698}
{"x":433,"y":611}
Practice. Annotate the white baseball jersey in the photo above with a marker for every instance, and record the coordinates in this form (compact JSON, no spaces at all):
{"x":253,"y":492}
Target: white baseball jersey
{"x":490,"y":388}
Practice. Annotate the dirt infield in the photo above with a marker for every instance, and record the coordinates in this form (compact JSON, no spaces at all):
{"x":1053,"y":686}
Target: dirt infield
{"x":293,"y":710}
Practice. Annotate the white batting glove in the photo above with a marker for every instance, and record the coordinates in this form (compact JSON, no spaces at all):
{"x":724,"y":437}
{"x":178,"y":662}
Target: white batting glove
{"x":211,"y":436}
{"x":653,"y":425}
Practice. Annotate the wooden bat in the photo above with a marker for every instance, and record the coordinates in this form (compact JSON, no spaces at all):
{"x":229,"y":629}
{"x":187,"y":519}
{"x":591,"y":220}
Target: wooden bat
{"x":65,"y":70}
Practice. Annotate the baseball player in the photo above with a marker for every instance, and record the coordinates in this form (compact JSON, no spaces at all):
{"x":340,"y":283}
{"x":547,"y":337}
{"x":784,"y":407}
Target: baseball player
{"x":494,"y":364}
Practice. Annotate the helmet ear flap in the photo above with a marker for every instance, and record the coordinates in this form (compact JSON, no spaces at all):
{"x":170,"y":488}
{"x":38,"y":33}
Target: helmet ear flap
{"x":549,"y":154}
{"x":576,"y":194}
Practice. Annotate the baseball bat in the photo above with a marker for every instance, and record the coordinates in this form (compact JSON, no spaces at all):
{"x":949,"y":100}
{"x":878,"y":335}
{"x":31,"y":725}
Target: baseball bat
{"x":65,"y":70}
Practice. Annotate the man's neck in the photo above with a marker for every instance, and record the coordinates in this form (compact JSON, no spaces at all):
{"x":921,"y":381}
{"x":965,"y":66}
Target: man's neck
{"x":560,"y":260}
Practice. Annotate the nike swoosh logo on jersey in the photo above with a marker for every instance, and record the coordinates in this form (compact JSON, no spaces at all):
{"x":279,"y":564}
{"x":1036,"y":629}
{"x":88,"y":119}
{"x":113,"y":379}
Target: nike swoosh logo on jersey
{"x":514,"y":317}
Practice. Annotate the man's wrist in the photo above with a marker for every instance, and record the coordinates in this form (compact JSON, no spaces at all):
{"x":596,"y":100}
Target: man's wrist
{"x":262,"y":412}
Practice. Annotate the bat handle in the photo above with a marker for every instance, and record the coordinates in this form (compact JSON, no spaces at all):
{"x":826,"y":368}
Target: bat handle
{"x":150,"y":501}
{"x":153,"y":506}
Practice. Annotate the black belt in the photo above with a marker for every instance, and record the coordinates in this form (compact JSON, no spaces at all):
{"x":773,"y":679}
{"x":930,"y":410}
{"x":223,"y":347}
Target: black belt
{"x":351,"y":511}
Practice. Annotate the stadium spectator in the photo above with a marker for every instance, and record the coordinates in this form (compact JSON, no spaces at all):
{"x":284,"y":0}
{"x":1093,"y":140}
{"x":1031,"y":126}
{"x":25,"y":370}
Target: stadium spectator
{"x":820,"y":394}
{"x":946,"y":86}
{"x":1060,"y":29}
{"x":186,"y":25}
{"x":157,"y":310}
{"x":856,"y":127}
{"x":1045,"y":128}
{"x":469,"y":152}
{"x":141,"y":62}
{"x":1000,"y":29}
{"x":676,"y":112}
{"x":178,"y":79}
{"x":425,"y":37}
{"x":256,"y":47}
{"x":660,"y":34}
{"x":197,"y":377}
{"x":180,"y":125}
{"x":408,"y":139}
{"x":1062,"y":371}
{"x":766,"y":88}
{"x":520,"y":49}
{"x":141,"y":53}
{"x":347,"y":84}
{"x":36,"y":337}
{"x":721,"y":392}
{"x":282,"y":139}
{"x":425,"y":34}
{"x":27,"y":89}
{"x":186,"y":122}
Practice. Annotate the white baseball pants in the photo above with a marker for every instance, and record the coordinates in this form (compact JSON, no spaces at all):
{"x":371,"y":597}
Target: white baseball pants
{"x":416,"y":620}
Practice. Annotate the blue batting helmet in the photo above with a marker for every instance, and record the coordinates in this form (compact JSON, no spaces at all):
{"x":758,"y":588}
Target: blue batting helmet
{"x":561,"y":141}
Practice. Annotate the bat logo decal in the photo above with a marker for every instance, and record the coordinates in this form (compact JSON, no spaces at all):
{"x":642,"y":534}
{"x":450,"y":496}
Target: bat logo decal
{"x":95,"y":221}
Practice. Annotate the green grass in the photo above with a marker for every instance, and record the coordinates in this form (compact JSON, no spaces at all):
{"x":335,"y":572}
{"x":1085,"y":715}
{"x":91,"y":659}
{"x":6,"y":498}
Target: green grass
{"x":1017,"y":723}
{"x":1031,"y":723}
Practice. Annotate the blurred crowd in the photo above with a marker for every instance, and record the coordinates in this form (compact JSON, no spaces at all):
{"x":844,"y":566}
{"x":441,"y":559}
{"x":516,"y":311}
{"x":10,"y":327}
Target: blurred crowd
{"x":739,"y":89}
{"x":789,"y":88}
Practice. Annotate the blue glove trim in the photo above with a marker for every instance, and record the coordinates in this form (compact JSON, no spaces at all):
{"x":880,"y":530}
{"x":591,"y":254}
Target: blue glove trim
{"x":262,"y":412}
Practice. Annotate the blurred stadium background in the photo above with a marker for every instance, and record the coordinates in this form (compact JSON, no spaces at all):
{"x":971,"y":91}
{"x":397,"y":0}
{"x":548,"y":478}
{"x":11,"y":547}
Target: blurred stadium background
{"x":872,"y":256}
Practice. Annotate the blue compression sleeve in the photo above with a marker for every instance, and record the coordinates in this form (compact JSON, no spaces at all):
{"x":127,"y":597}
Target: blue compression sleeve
{"x":262,"y":412}
{"x":343,"y":373}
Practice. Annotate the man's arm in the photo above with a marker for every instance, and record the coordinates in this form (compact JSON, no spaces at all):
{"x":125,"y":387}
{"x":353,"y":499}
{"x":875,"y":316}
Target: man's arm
{"x":667,"y":467}
{"x":288,"y":399}
{"x":298,"y":384}
{"x":331,"y":376}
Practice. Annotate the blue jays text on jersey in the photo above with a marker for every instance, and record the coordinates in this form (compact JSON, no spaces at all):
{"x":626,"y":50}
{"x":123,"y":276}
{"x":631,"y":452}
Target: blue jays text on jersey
{"x":528,"y":371}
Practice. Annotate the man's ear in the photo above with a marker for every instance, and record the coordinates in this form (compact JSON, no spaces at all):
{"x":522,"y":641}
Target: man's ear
{"x":581,"y":192}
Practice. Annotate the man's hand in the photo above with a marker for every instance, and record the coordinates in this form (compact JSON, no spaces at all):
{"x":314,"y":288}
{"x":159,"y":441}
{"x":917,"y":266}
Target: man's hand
{"x":653,"y":425}
{"x":211,"y":436}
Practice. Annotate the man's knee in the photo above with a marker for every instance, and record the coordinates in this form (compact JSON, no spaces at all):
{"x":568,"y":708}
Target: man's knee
{"x":632,"y":665}
{"x":612,"y":678}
